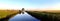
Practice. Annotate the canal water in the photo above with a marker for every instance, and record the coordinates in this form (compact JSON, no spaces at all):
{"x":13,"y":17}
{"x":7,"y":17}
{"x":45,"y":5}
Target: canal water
{"x":23,"y":17}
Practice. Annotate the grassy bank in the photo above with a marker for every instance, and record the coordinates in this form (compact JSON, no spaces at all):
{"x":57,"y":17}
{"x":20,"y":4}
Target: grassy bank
{"x":4,"y":13}
{"x":45,"y":16}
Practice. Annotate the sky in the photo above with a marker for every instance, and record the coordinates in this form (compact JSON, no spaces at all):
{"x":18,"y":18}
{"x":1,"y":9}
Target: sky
{"x":30,"y":4}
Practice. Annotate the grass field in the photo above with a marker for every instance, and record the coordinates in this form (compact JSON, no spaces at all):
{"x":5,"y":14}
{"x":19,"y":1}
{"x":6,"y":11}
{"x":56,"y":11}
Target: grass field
{"x":44,"y":15}
{"x":4,"y":13}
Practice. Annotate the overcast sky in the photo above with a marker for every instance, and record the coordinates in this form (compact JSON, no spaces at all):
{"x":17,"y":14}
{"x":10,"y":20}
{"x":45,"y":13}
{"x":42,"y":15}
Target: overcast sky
{"x":30,"y":4}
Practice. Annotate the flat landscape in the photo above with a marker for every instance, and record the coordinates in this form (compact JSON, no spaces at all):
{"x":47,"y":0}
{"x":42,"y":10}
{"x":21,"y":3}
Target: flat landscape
{"x":4,"y":13}
{"x":46,"y":15}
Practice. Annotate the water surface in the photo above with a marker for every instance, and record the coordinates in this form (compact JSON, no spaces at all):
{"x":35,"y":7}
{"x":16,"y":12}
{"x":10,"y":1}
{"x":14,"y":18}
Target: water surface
{"x":23,"y":17}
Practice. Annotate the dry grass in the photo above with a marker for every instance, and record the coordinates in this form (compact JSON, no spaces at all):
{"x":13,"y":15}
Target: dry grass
{"x":4,"y":13}
{"x":53,"y":11}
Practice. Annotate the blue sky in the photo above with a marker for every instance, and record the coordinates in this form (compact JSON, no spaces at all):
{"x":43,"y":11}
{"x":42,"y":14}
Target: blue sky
{"x":30,"y":4}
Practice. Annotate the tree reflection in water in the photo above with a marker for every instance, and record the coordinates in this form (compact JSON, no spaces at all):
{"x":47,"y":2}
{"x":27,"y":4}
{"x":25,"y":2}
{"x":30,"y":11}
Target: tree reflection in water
{"x":23,"y":17}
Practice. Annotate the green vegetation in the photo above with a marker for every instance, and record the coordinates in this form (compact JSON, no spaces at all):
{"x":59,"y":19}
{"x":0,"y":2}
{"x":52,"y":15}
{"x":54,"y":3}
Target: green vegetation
{"x":4,"y":13}
{"x":45,"y":15}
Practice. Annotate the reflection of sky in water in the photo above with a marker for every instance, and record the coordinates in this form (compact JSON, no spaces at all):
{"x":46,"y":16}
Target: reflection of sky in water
{"x":23,"y":17}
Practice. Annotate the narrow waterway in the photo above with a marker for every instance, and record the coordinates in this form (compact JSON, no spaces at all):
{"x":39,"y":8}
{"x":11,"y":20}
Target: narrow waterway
{"x":23,"y":17}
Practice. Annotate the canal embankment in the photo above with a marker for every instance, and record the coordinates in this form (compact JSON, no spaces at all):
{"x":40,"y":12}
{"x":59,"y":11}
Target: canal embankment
{"x":45,"y":16}
{"x":6,"y":14}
